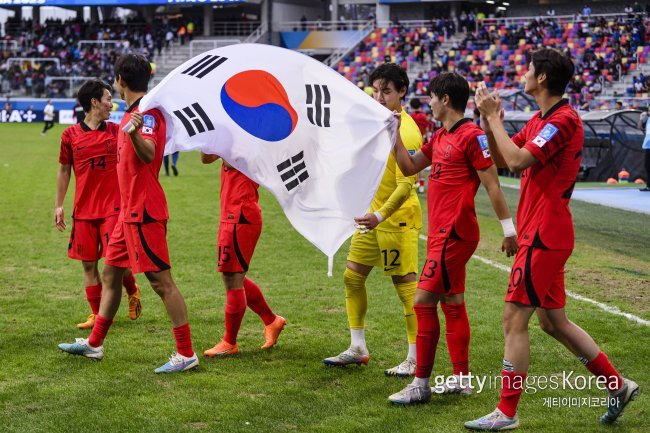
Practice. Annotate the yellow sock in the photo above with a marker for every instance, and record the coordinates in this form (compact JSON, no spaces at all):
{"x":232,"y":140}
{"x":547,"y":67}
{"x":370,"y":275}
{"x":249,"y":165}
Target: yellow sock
{"x":406,"y":293}
{"x":356,"y":298}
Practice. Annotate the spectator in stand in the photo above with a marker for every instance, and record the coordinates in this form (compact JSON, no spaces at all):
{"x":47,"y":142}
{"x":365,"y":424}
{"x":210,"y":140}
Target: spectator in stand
{"x":644,"y":125}
{"x":550,"y":12}
{"x":418,"y":116}
{"x":181,"y":34}
{"x":190,"y":30}
{"x":586,"y":10}
{"x":618,"y":105}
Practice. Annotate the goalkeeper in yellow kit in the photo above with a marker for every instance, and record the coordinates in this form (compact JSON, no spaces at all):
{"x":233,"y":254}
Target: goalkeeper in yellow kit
{"x":388,"y":234}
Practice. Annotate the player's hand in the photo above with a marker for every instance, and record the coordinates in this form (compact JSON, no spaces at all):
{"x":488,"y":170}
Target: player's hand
{"x":136,"y":121}
{"x":398,"y":117}
{"x":485,"y":125}
{"x":369,"y":221}
{"x":510,"y":246}
{"x":488,"y":104}
{"x":59,"y":220}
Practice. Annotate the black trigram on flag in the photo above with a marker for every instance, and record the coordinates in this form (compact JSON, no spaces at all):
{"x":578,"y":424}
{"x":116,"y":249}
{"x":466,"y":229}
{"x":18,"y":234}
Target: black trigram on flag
{"x":293,"y":171}
{"x":318,"y":101}
{"x":194,"y":119}
{"x":204,"y":66}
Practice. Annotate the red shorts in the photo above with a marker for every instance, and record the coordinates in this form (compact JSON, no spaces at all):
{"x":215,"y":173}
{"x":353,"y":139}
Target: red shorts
{"x":537,"y":277}
{"x":235,"y":246}
{"x":444,"y":268}
{"x":89,"y":238}
{"x":139,"y":246}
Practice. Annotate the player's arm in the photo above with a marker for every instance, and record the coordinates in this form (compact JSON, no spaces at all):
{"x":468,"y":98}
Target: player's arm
{"x":144,"y":148}
{"x":62,"y":183}
{"x":517,"y":159}
{"x":407,"y":163}
{"x":490,"y":180}
{"x":207,"y":158}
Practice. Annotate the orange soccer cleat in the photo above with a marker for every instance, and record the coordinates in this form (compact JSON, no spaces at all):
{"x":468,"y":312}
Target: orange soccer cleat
{"x":88,"y":324}
{"x":135,"y":307}
{"x":222,"y":348}
{"x":272,"y":332}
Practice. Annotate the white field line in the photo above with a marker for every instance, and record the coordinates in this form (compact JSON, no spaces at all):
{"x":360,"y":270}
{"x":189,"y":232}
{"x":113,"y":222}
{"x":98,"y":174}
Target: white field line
{"x":604,"y":307}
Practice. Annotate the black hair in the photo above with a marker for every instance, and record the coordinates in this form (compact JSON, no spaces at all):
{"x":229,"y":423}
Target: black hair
{"x":415,"y":104}
{"x":453,"y":85}
{"x":559,"y":69}
{"x":135,"y":70}
{"x":391,"y":72}
{"x":93,"y":89}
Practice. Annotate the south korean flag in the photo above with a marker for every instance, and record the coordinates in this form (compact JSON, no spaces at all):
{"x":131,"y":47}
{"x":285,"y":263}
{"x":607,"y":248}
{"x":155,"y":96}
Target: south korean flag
{"x":290,"y":123}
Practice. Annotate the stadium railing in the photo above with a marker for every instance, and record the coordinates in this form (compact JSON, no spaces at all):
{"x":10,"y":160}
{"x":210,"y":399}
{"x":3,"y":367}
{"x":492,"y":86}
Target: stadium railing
{"x":101,"y":42}
{"x":326,"y":26}
{"x":199,"y":46}
{"x":73,"y":83}
{"x":11,"y":46}
{"x":260,"y":31}
{"x":350,"y":43}
{"x":33,"y":60}
{"x":234,"y":28}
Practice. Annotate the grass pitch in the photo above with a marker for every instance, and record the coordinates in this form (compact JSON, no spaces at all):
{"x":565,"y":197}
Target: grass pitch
{"x":288,"y":388}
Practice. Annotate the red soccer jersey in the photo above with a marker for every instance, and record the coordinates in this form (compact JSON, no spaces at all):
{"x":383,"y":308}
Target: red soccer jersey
{"x":421,"y":120}
{"x":556,"y":140}
{"x":93,"y":157}
{"x":142,"y":195}
{"x":239,"y":198}
{"x":455,"y":157}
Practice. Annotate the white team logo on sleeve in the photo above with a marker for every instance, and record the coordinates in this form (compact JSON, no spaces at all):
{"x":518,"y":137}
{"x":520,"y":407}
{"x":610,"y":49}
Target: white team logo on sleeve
{"x":148,"y":123}
{"x":545,"y":135}
{"x":483,"y":142}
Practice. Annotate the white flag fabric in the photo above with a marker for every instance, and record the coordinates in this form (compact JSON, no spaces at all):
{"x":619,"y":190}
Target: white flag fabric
{"x":317,"y":142}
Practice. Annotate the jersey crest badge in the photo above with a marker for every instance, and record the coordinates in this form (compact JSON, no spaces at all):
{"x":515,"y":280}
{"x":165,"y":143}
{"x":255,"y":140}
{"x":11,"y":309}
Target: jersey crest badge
{"x":483,"y":142}
{"x":545,"y":135}
{"x":148,"y":123}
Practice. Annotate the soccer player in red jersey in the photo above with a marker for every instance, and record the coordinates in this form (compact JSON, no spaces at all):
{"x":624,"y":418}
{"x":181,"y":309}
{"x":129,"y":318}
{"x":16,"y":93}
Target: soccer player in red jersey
{"x":90,"y":149}
{"x":547,"y":153}
{"x":460,"y":161}
{"x":240,"y":227}
{"x":139,"y":238}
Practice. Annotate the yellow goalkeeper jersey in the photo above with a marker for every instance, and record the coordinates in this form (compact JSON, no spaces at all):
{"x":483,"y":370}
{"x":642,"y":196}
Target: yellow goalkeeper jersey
{"x":409,"y":214}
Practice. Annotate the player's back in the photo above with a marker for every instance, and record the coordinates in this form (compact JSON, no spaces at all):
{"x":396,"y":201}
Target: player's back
{"x":239,"y":197}
{"x":409,"y":214}
{"x":93,"y":157}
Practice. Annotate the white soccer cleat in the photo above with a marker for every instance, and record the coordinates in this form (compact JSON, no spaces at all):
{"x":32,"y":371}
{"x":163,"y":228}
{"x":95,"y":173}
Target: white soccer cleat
{"x":82,"y":348}
{"x":405,"y":369}
{"x":494,"y":421}
{"x":452,"y":386}
{"x":411,"y":395}
{"x":353,"y":355}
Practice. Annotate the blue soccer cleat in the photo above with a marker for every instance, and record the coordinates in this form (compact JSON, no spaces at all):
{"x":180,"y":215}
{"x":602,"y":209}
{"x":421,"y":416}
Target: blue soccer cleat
{"x":178,"y":363}
{"x":82,"y":348}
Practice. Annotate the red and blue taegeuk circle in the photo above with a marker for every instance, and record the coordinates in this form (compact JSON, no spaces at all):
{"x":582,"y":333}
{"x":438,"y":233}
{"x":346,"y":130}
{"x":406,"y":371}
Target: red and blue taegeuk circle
{"x":257,"y":102}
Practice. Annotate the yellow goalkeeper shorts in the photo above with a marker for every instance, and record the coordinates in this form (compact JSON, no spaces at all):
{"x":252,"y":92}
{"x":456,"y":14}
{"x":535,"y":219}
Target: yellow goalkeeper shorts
{"x":396,"y":252}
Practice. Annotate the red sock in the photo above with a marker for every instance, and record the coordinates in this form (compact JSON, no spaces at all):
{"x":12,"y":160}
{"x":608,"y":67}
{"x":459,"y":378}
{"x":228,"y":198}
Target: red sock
{"x":257,"y":303}
{"x":129,"y":284}
{"x":183,"y":340}
{"x":513,"y":386}
{"x":94,"y":297}
{"x":235,"y":309}
{"x":100,"y":329}
{"x":426,"y":341}
{"x":601,"y":367}
{"x":457,"y":336}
